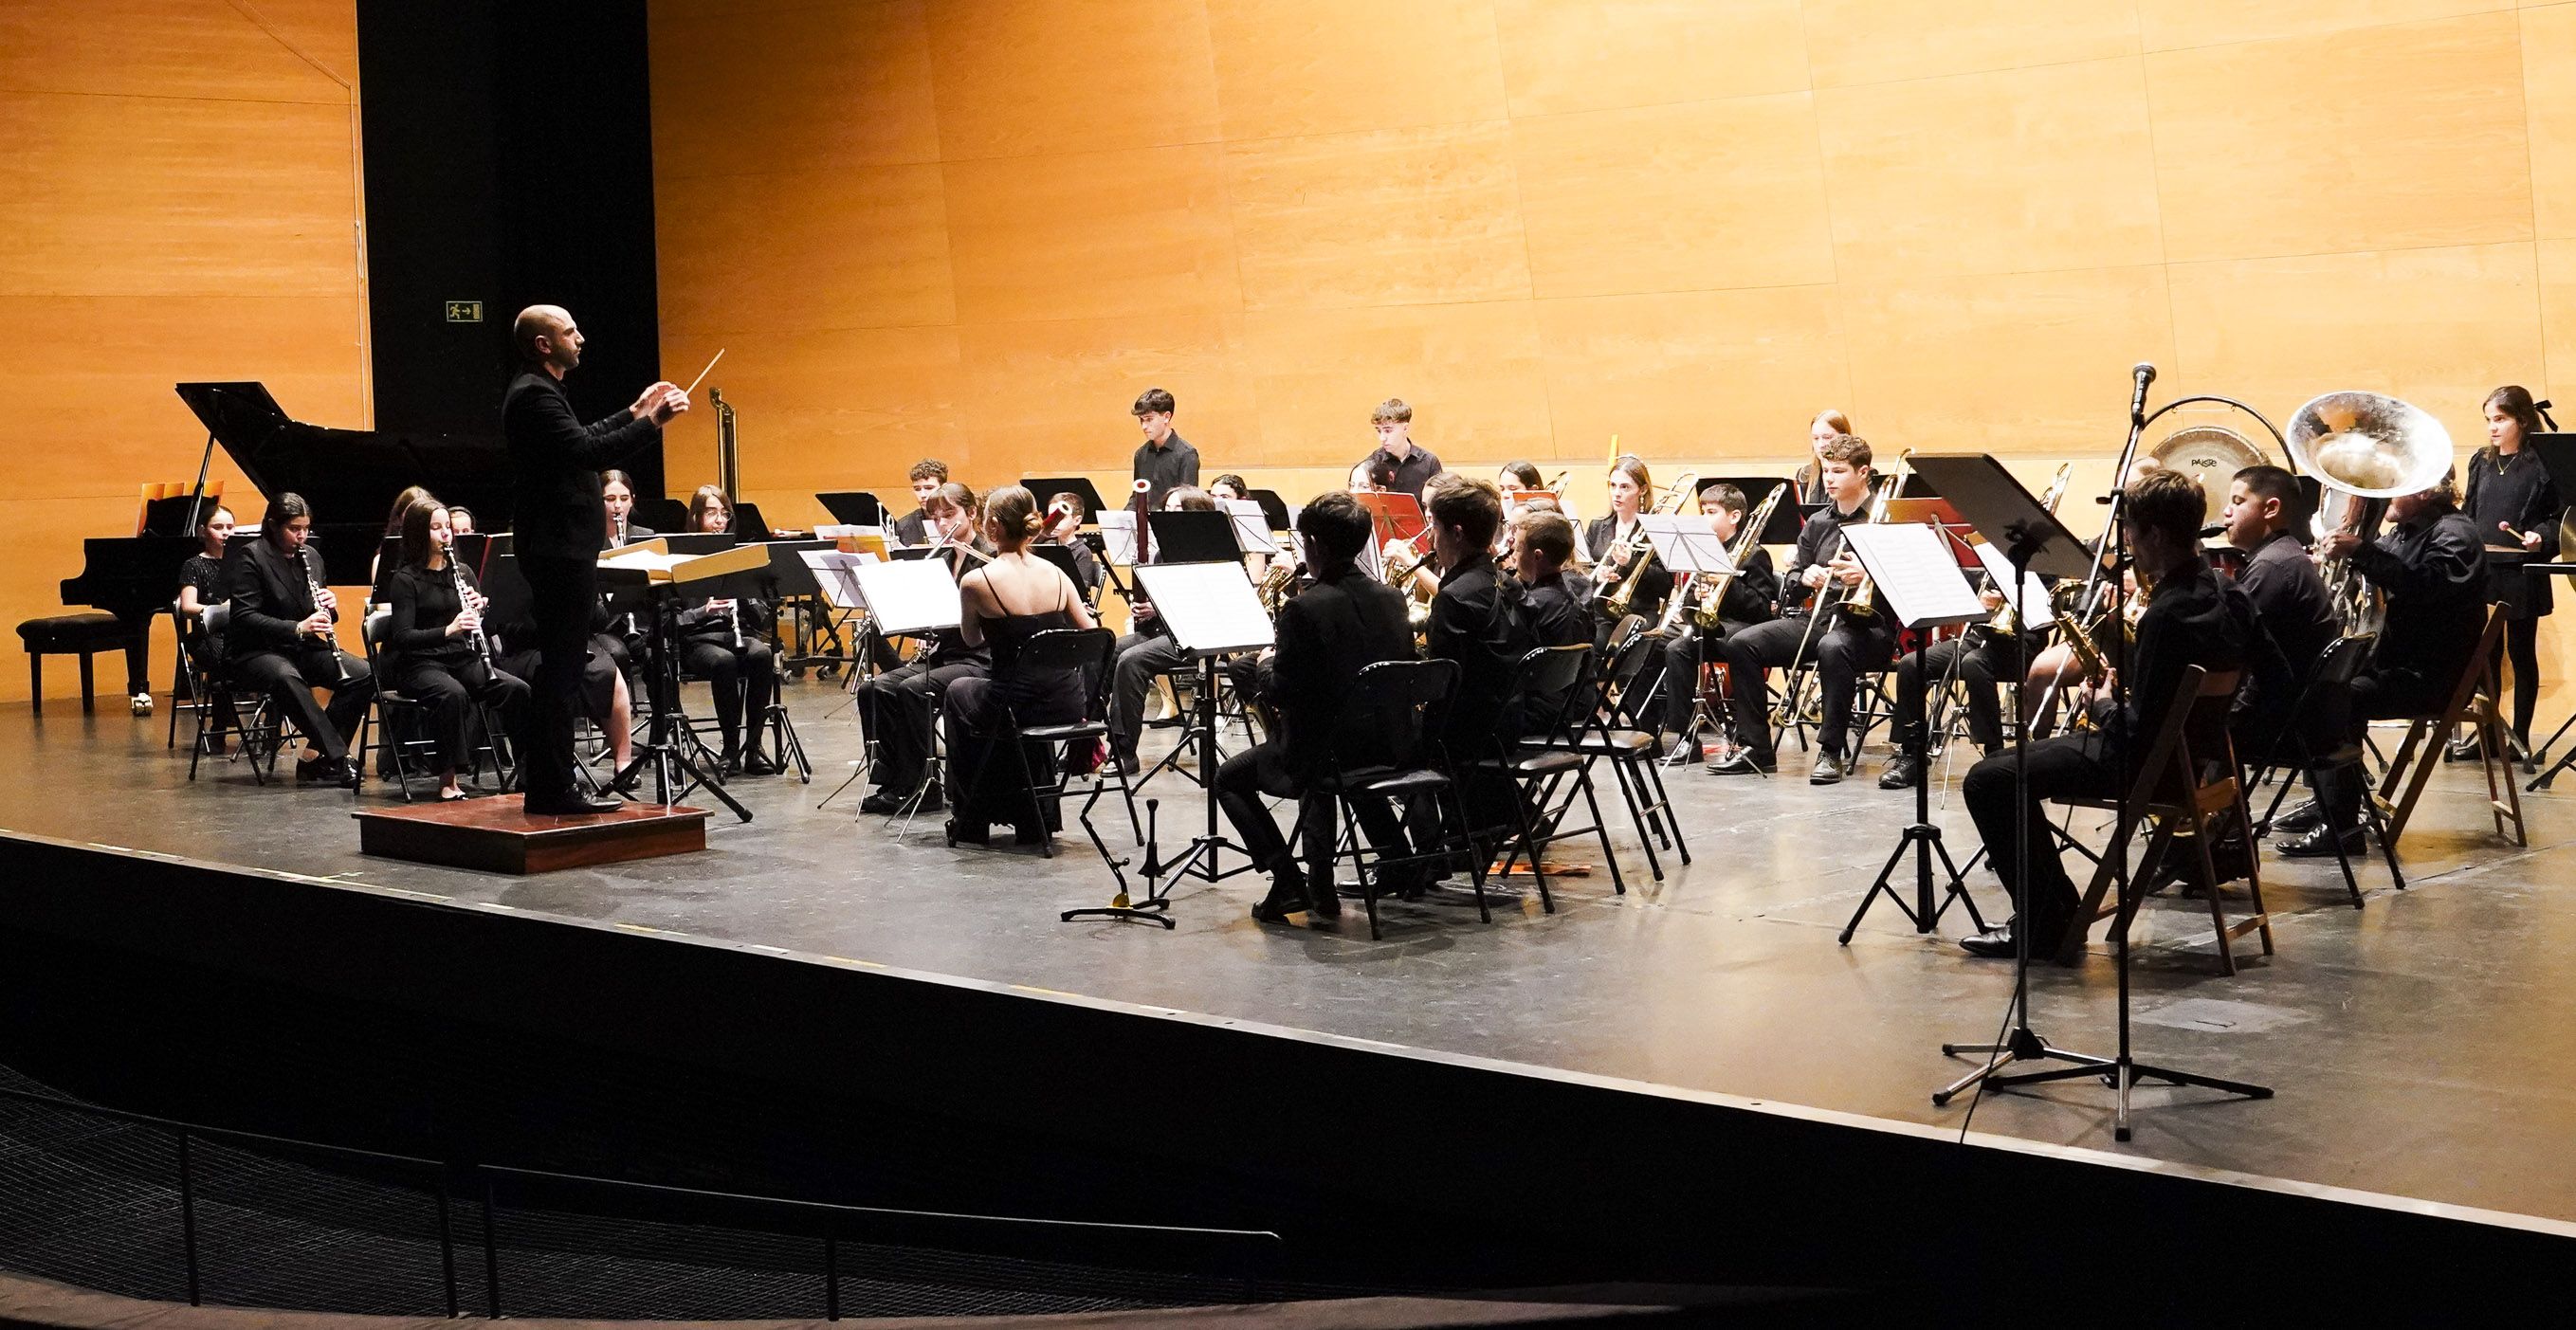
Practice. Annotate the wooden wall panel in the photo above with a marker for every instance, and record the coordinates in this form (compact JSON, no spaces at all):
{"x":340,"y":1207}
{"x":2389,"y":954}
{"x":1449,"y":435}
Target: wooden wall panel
{"x":1092,"y":235}
{"x":1016,"y":79}
{"x":1291,"y":67}
{"x":1042,"y":393}
{"x":2548,"y":72}
{"x":2019,"y":170}
{"x":875,"y":240}
{"x":1472,"y":373}
{"x":179,"y":199}
{"x":2370,"y":138}
{"x":1871,"y":41}
{"x":1440,"y":207}
{"x":1687,"y":197}
{"x":2166,"y":24}
{"x":1561,"y":56}
{"x":1692,"y":373}
{"x":801,"y":89}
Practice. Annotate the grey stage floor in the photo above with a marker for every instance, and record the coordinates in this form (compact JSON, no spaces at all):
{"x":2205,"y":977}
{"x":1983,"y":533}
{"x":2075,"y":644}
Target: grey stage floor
{"x":2420,"y":1046}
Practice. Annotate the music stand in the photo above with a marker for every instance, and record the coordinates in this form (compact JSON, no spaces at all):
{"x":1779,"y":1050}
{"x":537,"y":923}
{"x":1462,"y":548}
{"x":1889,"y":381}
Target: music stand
{"x":907,"y":597}
{"x":694,"y":543}
{"x":1045,"y":488}
{"x":1915,"y":574}
{"x":671,"y":580}
{"x":1251,"y":526}
{"x":1786,"y":518}
{"x":1200,"y":537}
{"x":1212,"y":611}
{"x":2558,"y":456}
{"x":1685,"y":544}
{"x":1117,"y":537}
{"x":659,"y":514}
{"x":1274,"y":508}
{"x":749,"y":526}
{"x":1396,"y":516}
{"x":854,"y":508}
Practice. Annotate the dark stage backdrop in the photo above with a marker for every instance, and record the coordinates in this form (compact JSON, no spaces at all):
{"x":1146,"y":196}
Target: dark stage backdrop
{"x":509,"y":159}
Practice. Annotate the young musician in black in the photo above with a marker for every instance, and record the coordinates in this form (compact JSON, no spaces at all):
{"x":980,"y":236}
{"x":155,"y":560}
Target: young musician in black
{"x":1556,"y":598}
{"x":2432,"y":567}
{"x":1982,"y":656}
{"x":1399,"y":466}
{"x":1164,"y":461}
{"x":201,"y":580}
{"x":1002,"y":605}
{"x":558,"y":522}
{"x":2512,"y":501}
{"x":1615,"y":541}
{"x":1847,"y":641}
{"x":724,"y":642}
{"x":927,"y":476}
{"x":617,"y":499}
{"x":1750,"y":598}
{"x":1148,"y":652}
{"x":281,"y":640}
{"x":1478,"y":618}
{"x":895,"y":705}
{"x":2191,"y":619}
{"x":2263,"y":515}
{"x":1328,"y":633}
{"x":439,"y":653}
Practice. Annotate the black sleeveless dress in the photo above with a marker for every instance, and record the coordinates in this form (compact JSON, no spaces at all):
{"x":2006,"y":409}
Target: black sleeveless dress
{"x":975,"y":708}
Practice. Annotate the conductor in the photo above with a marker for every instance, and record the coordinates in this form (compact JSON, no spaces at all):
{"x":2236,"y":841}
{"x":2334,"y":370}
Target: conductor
{"x":560,"y":516}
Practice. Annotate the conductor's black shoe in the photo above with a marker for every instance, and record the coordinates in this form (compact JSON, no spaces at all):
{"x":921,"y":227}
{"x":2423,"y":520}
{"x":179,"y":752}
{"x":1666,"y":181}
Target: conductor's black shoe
{"x":1828,"y":770}
{"x":1904,"y":772}
{"x":882,"y":802}
{"x":2319,"y":843}
{"x":2301,"y":816}
{"x":1684,"y":749}
{"x":572,"y":805}
{"x":1995,"y":943}
{"x":1742,"y":762}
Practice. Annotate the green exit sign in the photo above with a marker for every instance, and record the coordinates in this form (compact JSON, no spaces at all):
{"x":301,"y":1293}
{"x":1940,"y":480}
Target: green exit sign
{"x":465,"y":311}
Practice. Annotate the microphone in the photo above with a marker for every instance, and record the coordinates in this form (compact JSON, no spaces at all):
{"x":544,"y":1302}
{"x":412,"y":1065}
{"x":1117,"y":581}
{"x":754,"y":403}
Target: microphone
{"x":2146,"y":374}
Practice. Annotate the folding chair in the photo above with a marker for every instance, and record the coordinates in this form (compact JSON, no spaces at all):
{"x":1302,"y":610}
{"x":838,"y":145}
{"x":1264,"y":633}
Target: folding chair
{"x":1383,"y":753}
{"x":1090,"y":652}
{"x":2178,"y":787}
{"x":398,"y":724}
{"x":223,"y":711}
{"x":2422,"y":749}
{"x":1595,"y":733}
{"x":2325,"y":691}
{"x":1547,"y":685}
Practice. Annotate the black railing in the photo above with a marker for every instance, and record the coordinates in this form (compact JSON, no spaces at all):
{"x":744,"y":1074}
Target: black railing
{"x":1239,"y":1262}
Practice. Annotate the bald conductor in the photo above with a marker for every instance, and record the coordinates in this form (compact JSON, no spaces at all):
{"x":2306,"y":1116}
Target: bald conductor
{"x":560,"y":516}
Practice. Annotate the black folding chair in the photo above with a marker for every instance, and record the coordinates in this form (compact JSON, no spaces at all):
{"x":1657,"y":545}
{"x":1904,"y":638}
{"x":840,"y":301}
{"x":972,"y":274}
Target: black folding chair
{"x":230,"y":718}
{"x":1090,"y":653}
{"x":1547,"y":686}
{"x":1630,"y":748}
{"x":2290,"y":751}
{"x":1383,"y":753}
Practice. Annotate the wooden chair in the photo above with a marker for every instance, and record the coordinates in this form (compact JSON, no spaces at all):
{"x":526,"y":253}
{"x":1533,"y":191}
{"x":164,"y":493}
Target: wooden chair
{"x":2422,"y":750}
{"x":2179,"y":787}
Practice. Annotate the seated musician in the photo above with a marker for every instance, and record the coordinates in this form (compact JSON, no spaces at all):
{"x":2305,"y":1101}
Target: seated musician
{"x":439,"y":655}
{"x":1519,"y":475}
{"x":2264,"y":511}
{"x":1749,"y":599}
{"x":2431,"y":565}
{"x":1328,"y":632}
{"x":280,"y":639}
{"x":1478,"y":619}
{"x":914,"y":528}
{"x":1615,"y":540}
{"x":1981,"y":656}
{"x":1003,"y":604}
{"x":377,"y":572}
{"x":1845,"y":643}
{"x":460,"y":519}
{"x":726,"y":642}
{"x":1064,"y":519}
{"x":895,"y":706}
{"x":1147,"y":653}
{"x":201,"y":580}
{"x":617,"y":495}
{"x":2192,"y":619}
{"x":1557,"y":598}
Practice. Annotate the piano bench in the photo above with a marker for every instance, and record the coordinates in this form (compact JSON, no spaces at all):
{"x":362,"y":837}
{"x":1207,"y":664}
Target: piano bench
{"x":83,"y":635}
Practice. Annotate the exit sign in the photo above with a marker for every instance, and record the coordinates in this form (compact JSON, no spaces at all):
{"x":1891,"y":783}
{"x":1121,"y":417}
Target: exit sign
{"x":465,"y":311}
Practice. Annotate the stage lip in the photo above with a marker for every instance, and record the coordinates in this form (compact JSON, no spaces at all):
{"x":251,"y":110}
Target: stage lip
{"x":2140,"y":1164}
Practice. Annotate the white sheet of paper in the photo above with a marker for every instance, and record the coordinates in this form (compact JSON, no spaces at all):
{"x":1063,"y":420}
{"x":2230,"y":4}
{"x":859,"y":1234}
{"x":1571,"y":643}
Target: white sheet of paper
{"x":909,"y":595}
{"x":2036,"y":611}
{"x":831,"y":569}
{"x":1685,"y":543}
{"x":1118,"y":535}
{"x":1918,"y":580}
{"x":1211,"y":607}
{"x":1251,"y":526}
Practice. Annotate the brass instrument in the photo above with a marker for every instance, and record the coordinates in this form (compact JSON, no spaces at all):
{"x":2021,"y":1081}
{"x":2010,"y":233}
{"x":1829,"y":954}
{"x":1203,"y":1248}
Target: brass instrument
{"x":1858,"y":602}
{"x":1398,"y":565}
{"x":1278,"y":582}
{"x":2364,"y":449}
{"x":1622,"y":595}
{"x":1711,"y":599}
{"x":2007,"y":620}
{"x":1676,"y":494}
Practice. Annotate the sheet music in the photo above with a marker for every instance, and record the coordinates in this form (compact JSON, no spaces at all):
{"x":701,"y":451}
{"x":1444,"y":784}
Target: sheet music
{"x":1685,"y":544}
{"x":1251,"y":526}
{"x":1917,"y":578}
{"x":1118,"y":535}
{"x":909,"y":595}
{"x":2034,"y":607}
{"x":1211,"y":607}
{"x":832,"y":574}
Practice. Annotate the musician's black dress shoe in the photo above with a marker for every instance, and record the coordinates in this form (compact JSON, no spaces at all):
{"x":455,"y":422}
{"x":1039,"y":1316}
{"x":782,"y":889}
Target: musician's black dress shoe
{"x":575,"y":804}
{"x":758,"y":763}
{"x":2319,"y":843}
{"x":1904,"y":772}
{"x":1995,"y":943}
{"x":1684,"y":749}
{"x":1742,"y":762}
{"x":2301,"y":816}
{"x":882,"y":803}
{"x":1828,"y":770}
{"x":1287,"y":896}
{"x":328,"y":771}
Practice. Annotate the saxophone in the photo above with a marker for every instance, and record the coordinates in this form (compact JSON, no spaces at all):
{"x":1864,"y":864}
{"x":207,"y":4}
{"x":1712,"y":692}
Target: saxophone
{"x":1704,"y":613}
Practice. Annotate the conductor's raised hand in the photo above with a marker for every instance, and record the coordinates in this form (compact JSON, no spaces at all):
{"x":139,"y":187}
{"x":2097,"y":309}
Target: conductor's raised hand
{"x":660,"y":402}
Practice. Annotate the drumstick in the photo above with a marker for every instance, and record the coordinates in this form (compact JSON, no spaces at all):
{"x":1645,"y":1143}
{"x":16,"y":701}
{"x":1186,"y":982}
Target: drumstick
{"x":702,"y":374}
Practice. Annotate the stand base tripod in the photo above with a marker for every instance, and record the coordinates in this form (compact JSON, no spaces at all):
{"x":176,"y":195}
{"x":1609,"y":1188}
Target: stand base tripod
{"x":2121,"y":1073}
{"x":1924,"y":839}
{"x":1157,"y":903}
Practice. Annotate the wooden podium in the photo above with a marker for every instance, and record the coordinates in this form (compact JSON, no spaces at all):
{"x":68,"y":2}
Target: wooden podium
{"x":498,"y":835}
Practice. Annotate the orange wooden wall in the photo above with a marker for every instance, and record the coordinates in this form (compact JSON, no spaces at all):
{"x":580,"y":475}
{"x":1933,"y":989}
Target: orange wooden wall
{"x":976,"y":228}
{"x":179,"y":199}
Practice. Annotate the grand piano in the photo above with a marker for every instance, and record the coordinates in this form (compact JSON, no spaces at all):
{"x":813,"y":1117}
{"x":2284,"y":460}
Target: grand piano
{"x":350,"y":477}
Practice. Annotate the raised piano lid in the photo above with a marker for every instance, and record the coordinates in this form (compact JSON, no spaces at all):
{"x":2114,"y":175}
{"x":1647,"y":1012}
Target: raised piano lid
{"x":349,"y":476}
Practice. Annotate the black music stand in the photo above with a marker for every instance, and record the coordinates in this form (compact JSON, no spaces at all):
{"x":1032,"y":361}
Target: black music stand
{"x":1045,"y":488}
{"x":1913,"y":573}
{"x":855,"y":508}
{"x":1273,"y":507}
{"x":2558,"y":455}
{"x":669,"y":746}
{"x":1786,"y":518}
{"x":749,"y":526}
{"x":660,"y":514}
{"x":1212,"y":612}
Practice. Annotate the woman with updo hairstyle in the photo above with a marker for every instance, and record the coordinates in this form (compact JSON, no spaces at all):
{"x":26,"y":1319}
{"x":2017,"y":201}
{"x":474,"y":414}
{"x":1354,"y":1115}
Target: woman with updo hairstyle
{"x":1010,"y":599}
{"x":2513,"y":502}
{"x":725,"y":642}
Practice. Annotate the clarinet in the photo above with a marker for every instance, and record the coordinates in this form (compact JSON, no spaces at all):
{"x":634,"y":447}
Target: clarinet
{"x":456,"y":577}
{"x":733,"y":620}
{"x":313,"y":588}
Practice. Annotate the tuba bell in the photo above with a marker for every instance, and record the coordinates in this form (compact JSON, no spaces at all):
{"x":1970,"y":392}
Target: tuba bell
{"x":2364,"y":449}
